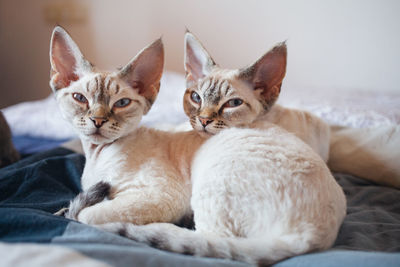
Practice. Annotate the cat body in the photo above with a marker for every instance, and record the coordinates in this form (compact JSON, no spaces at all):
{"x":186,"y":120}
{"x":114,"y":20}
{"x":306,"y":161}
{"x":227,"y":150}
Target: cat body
{"x":309,"y":128}
{"x":260,"y":201}
{"x":149,"y":172}
{"x":258,"y":195}
{"x":145,"y":172}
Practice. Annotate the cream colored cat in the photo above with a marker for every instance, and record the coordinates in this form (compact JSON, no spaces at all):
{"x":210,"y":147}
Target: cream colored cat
{"x":219,"y":98}
{"x":144,"y":172}
{"x":258,"y":195}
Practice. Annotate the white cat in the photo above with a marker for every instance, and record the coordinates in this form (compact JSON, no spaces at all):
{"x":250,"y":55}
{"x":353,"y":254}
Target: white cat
{"x":145,"y":173}
{"x":258,"y":195}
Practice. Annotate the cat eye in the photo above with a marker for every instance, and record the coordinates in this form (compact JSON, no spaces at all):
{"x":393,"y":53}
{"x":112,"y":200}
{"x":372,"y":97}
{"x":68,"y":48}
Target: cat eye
{"x":79,"y":97}
{"x":123,"y":102}
{"x":195,"y":97}
{"x":233,"y":103}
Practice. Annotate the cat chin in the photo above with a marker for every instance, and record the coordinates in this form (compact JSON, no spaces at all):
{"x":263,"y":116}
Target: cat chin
{"x":205,"y":133}
{"x":96,"y":139}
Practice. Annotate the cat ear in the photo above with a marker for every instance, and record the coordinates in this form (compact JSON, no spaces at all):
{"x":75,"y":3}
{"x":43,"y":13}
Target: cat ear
{"x":267,"y":73}
{"x":67,"y":61}
{"x":144,"y":71}
{"x":198,"y":63}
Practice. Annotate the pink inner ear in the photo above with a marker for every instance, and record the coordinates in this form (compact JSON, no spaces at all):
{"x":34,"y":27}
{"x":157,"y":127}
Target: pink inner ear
{"x":270,"y":74}
{"x":62,"y":82}
{"x":193,"y":65}
{"x":270,"y":71}
{"x":64,"y":62}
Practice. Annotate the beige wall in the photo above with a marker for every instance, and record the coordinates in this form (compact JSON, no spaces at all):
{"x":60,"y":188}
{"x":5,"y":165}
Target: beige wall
{"x":352,"y":44}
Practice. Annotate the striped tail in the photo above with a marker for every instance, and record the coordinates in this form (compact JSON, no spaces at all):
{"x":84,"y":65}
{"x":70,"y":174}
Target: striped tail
{"x":95,"y":194}
{"x":260,"y":251}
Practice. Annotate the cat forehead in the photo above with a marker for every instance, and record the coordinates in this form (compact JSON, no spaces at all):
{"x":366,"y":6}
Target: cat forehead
{"x":100,"y":83}
{"x":220,"y":83}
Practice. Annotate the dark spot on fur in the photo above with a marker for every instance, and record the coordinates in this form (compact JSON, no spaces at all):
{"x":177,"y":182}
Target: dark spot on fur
{"x":187,"y":250}
{"x":98,"y":192}
{"x":156,"y":242}
{"x":122,"y":232}
{"x":92,"y":196}
{"x":263,"y":263}
{"x":186,"y":221}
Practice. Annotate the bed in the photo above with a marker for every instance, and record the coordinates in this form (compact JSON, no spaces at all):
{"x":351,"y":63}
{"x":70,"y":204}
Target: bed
{"x":48,"y":176}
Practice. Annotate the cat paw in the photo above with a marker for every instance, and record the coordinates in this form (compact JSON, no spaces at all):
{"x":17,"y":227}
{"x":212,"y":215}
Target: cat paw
{"x":62,"y":212}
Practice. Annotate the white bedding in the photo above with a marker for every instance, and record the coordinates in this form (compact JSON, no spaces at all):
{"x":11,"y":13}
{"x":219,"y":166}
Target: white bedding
{"x":358,"y":109}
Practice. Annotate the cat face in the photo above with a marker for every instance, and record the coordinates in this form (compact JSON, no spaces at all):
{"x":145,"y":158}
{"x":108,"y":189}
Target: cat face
{"x":103,"y":106}
{"x":218,"y":98}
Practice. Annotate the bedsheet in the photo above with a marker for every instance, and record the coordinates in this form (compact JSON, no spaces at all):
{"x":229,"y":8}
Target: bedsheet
{"x":37,"y":186}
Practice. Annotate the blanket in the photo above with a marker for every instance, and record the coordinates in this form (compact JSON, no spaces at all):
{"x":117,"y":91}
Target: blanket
{"x":32,"y":189}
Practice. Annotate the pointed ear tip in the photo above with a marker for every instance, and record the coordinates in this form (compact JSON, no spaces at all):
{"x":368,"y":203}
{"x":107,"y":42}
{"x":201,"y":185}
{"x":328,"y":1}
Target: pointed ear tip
{"x":283,"y":44}
{"x":157,"y":44}
{"x":159,"y":41}
{"x":280,"y":48}
{"x":187,"y":31}
{"x":59,"y":32}
{"x":189,"y":35}
{"x":58,"y":29}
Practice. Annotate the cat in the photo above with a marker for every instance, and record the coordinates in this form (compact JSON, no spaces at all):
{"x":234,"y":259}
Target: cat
{"x":235,"y":103}
{"x":258,"y":195}
{"x":8,"y":153}
{"x":244,"y":97}
{"x":132,"y":174}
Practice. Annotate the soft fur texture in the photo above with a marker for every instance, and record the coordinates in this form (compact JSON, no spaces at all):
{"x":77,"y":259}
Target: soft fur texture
{"x":8,"y":153}
{"x":267,"y":197}
{"x":258,"y":195}
{"x":370,"y":153}
{"x":148,"y":170}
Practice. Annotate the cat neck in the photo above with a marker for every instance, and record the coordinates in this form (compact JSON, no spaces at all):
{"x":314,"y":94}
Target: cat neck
{"x":177,"y":145}
{"x":273,"y":116}
{"x":92,"y":150}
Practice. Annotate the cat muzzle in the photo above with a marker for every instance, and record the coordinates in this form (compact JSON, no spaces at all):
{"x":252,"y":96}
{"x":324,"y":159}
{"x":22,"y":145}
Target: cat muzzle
{"x":205,"y":121}
{"x":98,"y":121}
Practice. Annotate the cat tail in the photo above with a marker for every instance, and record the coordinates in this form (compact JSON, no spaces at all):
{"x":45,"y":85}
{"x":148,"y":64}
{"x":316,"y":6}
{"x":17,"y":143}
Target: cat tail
{"x":259,"y":251}
{"x":95,"y":194}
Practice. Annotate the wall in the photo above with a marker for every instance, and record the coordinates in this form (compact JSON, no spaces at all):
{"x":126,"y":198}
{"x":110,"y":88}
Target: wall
{"x":332,"y":44}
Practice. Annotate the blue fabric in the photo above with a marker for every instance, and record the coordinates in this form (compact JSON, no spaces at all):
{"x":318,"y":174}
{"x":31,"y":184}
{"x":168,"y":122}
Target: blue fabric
{"x":34,"y":188}
{"x":335,"y":258}
{"x":26,"y":144}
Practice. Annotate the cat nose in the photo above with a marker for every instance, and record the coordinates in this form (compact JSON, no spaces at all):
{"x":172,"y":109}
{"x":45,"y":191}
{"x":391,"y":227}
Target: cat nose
{"x":98,"y":121}
{"x":205,"y":121}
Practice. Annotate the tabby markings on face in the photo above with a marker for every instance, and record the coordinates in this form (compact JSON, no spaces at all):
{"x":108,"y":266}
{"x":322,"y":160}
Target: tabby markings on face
{"x":103,"y":108}
{"x":214,"y":103}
